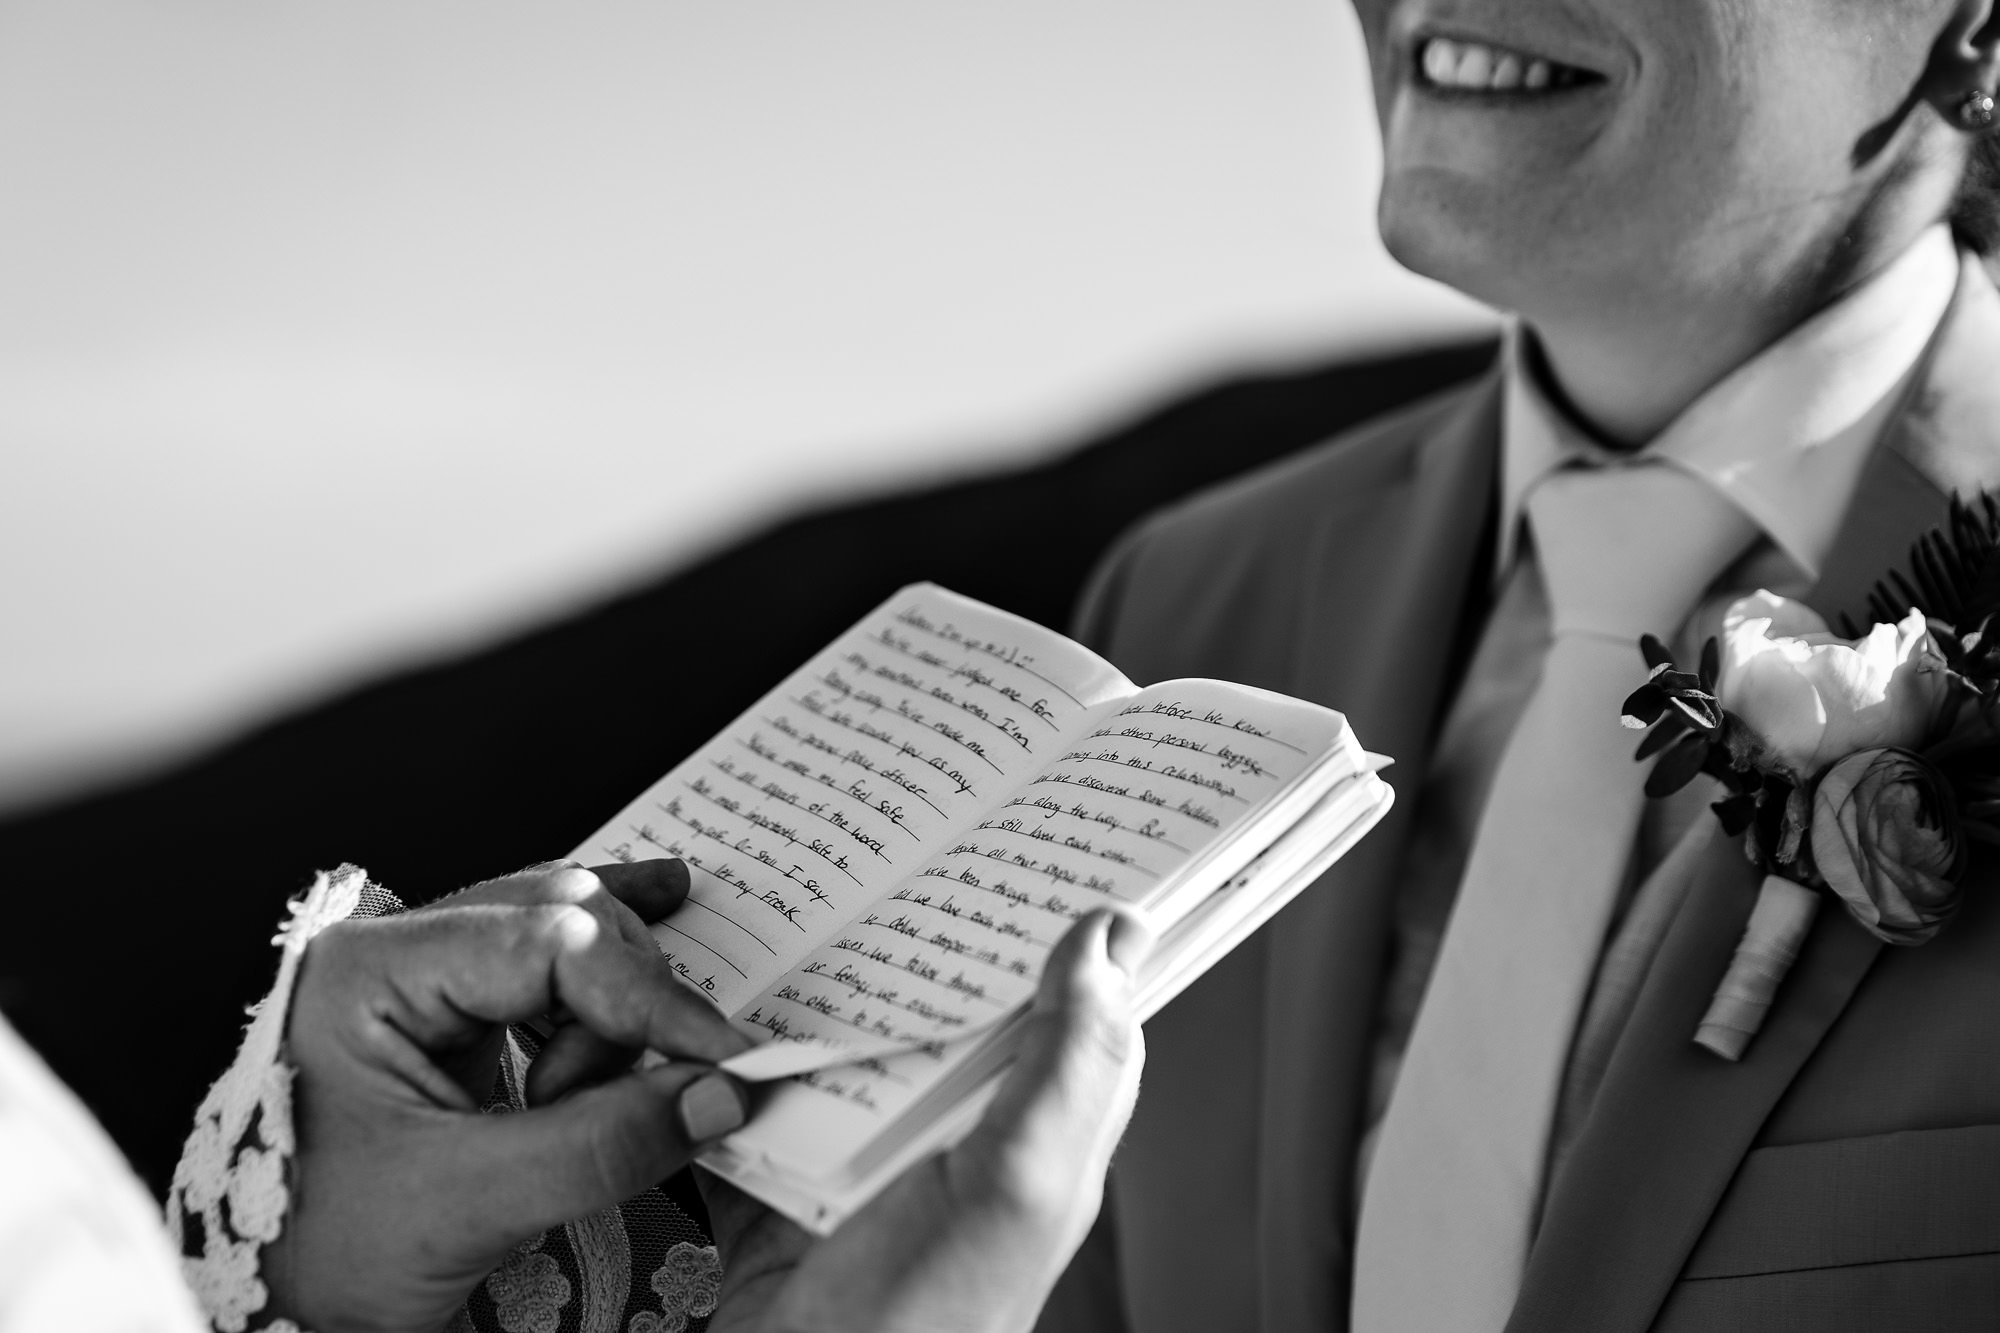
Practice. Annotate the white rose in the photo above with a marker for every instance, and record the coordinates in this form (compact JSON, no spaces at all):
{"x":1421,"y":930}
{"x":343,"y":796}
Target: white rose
{"x":1813,"y":697}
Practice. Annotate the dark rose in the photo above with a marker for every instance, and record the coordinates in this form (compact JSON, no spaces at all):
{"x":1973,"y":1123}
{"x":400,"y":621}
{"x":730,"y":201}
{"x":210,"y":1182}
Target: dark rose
{"x":1885,"y":835}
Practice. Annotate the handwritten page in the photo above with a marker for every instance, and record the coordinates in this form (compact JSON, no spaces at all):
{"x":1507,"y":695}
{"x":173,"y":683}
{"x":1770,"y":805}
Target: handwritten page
{"x":845,"y":780}
{"x":1132,"y":801}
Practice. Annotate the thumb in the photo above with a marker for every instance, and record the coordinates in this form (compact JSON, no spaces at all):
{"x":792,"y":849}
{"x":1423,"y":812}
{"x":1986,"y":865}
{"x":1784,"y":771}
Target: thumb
{"x":598,"y":1147}
{"x":1046,"y":1141}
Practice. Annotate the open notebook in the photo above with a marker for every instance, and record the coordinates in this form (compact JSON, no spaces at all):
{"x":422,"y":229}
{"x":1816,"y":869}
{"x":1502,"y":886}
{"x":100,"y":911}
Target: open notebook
{"x":886,"y":846}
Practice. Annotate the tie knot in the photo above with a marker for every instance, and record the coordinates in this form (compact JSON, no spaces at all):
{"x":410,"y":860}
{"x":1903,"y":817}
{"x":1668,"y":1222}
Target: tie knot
{"x":1628,"y":549}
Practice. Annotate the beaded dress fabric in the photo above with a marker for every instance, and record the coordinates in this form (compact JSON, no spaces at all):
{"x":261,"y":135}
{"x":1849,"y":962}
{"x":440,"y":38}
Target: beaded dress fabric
{"x":645,"y":1266}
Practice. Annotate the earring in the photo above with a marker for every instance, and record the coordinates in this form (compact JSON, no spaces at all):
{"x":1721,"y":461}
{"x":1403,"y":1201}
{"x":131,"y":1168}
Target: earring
{"x":1976,"y":111}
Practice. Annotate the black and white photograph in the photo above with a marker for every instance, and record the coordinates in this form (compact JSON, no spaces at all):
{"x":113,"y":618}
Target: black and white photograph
{"x":1299,"y":666}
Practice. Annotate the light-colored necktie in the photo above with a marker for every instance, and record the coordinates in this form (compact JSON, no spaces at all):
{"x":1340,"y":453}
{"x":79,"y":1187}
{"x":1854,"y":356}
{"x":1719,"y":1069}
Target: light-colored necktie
{"x":1449,"y":1207}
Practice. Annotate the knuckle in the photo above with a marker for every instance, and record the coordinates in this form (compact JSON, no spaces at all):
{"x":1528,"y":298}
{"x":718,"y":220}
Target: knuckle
{"x":570,"y":882}
{"x":570,"y":925}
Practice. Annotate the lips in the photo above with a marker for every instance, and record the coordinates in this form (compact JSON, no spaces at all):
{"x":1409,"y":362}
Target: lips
{"x":1459,"y":66}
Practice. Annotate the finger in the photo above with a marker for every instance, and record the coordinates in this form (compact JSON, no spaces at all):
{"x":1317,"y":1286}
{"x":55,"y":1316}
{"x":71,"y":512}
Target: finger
{"x":1046,"y":1141}
{"x":628,"y":994}
{"x":571,"y":882}
{"x":652,"y":889}
{"x":574,"y":1057}
{"x":519,"y":887}
{"x":539,"y":1168}
{"x":500,"y":964}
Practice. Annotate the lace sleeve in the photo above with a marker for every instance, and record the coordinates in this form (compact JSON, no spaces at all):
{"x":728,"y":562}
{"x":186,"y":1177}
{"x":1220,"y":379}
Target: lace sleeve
{"x":646,"y":1266}
{"x":229,"y":1192}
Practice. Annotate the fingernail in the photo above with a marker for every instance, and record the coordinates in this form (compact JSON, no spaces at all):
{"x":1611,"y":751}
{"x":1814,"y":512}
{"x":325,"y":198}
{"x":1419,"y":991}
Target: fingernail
{"x":711,"y":1107}
{"x":1128,"y":943}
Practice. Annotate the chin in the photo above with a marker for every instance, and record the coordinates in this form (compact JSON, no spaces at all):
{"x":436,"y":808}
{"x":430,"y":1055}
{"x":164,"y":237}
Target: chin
{"x":1441,"y":234}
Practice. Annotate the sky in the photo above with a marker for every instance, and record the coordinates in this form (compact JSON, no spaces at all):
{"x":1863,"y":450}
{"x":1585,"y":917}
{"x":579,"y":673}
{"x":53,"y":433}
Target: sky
{"x":335,"y":337}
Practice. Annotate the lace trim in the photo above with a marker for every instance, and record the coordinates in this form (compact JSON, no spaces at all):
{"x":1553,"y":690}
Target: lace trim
{"x":529,"y":1291}
{"x":230,"y":1191}
{"x":689,"y":1285}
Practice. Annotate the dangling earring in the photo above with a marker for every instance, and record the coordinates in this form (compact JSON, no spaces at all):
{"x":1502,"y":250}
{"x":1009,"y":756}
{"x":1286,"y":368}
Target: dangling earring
{"x":1976,"y":111}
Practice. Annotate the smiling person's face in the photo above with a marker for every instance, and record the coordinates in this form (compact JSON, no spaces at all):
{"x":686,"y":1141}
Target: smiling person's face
{"x":1592,"y":160}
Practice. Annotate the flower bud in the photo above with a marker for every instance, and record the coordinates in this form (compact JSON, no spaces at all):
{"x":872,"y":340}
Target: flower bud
{"x":1885,"y":836}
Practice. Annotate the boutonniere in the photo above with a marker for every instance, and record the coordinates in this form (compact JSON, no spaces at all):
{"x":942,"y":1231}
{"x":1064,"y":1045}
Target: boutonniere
{"x":1855,"y":766}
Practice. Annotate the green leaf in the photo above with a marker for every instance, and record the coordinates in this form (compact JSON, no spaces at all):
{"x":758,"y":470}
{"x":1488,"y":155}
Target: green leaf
{"x":1700,"y":712}
{"x":1678,"y":766}
{"x":1672,"y":727}
{"x":1642,"y":708}
{"x":1953,"y":572}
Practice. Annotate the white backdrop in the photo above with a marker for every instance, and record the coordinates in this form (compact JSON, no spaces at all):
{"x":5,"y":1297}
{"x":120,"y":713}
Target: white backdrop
{"x":333,"y":336}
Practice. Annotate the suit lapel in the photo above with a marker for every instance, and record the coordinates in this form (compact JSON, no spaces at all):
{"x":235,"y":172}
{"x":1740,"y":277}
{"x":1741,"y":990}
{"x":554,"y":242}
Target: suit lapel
{"x":1672,"y":1122}
{"x":1387,"y":671}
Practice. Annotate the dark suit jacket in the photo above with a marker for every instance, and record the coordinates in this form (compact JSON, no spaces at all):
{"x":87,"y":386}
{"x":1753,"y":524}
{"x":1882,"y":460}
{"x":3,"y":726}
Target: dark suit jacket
{"x":1844,"y":1175}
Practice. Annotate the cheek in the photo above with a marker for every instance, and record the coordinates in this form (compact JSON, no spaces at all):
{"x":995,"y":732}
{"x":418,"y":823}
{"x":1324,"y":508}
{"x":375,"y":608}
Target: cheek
{"x":1675,"y":157}
{"x":1764,"y":138}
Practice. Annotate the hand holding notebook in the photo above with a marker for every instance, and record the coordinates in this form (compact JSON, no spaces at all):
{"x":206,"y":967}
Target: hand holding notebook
{"x":885,"y":848}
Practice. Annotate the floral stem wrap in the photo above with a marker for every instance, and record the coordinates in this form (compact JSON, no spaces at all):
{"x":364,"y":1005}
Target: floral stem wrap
{"x":1778,"y":926}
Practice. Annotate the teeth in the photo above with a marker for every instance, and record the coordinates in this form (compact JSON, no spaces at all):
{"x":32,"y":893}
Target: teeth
{"x":1475,"y":67}
{"x":1440,"y":61}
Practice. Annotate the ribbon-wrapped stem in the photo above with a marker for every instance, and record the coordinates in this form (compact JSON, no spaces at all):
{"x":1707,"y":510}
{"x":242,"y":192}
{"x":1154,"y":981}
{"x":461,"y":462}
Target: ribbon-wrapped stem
{"x":1770,"y":945}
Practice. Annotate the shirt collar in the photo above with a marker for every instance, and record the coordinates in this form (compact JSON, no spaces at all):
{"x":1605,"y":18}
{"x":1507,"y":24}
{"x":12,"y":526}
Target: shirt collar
{"x":1786,"y":434}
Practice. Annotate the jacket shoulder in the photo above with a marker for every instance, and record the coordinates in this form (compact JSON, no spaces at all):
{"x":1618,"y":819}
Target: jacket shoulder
{"x":1245,"y":542}
{"x":1280,"y":498}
